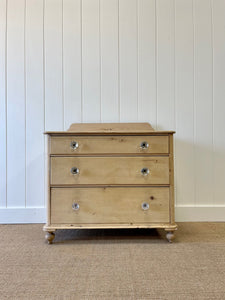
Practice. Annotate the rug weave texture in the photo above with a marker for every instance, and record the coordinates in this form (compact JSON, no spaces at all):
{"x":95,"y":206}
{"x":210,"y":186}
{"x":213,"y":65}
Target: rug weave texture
{"x":113,"y":264}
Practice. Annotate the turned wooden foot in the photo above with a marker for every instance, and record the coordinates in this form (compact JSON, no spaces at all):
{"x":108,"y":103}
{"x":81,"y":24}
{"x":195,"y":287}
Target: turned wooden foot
{"x":170,"y":236}
{"x":49,"y":236}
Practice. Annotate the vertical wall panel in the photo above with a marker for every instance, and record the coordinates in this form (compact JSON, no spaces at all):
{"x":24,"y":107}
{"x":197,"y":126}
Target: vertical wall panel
{"x":15,"y":104}
{"x":184,"y":62}
{"x":91,"y":61}
{"x":219,"y":99}
{"x":3,"y":7}
{"x":53,"y":65}
{"x":165,"y":64}
{"x":203,"y":102}
{"x":34,"y":104}
{"x":146,"y":62}
{"x":72,"y":61}
{"x":128,"y":46}
{"x":64,"y":61}
{"x":109,"y":60}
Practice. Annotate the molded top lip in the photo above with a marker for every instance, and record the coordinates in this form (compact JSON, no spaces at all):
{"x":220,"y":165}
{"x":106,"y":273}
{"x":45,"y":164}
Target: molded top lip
{"x":111,"y":129}
{"x":158,"y":132}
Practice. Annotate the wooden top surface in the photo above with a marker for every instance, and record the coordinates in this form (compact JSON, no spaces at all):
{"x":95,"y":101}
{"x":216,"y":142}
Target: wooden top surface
{"x":109,"y":128}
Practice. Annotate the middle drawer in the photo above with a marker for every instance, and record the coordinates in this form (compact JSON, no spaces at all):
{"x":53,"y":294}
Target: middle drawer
{"x":109,"y":170}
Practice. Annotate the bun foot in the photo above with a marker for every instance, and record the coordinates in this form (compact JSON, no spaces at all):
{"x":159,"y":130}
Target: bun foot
{"x":49,"y":236}
{"x":170,"y":236}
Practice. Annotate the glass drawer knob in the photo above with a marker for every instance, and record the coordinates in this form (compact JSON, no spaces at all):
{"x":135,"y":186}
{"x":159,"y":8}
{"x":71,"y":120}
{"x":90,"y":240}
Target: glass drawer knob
{"x":75,"y":171}
{"x":74,"y":145}
{"x":144,"y":171}
{"x":75,"y":206}
{"x":144,"y":145}
{"x":145,"y":206}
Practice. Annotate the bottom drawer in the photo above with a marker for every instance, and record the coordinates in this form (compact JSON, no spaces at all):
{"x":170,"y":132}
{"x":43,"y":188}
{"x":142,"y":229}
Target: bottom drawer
{"x":109,"y":205}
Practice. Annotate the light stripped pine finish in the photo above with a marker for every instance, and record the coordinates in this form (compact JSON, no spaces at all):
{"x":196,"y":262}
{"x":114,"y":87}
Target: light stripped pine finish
{"x":99,"y":144}
{"x":172,"y":97}
{"x":109,"y":170}
{"x":110,"y":188}
{"x":109,"y":205}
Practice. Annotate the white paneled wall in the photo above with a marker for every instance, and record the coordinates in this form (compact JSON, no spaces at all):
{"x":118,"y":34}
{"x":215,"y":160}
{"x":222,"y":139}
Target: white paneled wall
{"x":161,"y":61}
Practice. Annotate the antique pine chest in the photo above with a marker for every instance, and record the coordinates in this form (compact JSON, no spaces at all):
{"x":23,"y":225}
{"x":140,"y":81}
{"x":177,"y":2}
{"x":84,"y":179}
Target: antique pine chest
{"x":117,"y":175}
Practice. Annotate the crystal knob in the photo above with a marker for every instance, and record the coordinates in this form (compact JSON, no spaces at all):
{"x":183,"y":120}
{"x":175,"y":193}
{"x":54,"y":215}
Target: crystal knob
{"x":74,"y":145}
{"x":75,"y":206}
{"x":75,"y":171}
{"x":144,"y":171}
{"x":145,"y":206}
{"x":144,"y":145}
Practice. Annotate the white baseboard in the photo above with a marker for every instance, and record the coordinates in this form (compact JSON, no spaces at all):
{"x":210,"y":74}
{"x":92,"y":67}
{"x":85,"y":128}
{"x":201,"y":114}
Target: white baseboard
{"x":200,"y":213}
{"x":22,"y":215}
{"x":183,"y":214}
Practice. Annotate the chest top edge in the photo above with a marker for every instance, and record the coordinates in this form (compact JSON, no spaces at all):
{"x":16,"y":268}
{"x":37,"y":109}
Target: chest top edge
{"x":110,"y":129}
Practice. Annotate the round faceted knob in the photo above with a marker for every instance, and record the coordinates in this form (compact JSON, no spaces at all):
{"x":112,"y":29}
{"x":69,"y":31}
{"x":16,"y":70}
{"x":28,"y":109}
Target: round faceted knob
{"x":75,"y":206}
{"x":75,"y":171}
{"x":145,"y":206}
{"x":144,"y":145}
{"x":74,"y":145}
{"x":144,"y":171}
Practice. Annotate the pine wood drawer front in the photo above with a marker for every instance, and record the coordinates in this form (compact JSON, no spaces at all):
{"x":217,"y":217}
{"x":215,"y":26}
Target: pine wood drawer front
{"x":109,"y":205}
{"x":109,"y":170}
{"x":109,"y":144}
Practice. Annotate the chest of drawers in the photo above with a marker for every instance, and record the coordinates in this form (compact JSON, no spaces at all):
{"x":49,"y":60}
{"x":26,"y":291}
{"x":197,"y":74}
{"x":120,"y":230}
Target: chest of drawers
{"x":110,"y":176}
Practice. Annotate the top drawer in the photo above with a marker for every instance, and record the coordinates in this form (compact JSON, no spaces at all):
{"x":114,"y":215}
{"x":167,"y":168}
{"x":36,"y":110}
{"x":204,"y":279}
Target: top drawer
{"x":109,"y":144}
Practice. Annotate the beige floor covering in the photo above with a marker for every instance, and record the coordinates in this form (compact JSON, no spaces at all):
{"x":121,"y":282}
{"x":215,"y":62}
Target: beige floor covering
{"x":113,"y":264}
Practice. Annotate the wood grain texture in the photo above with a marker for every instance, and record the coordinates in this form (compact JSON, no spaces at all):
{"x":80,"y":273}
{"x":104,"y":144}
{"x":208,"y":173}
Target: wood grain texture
{"x":109,"y":226}
{"x":114,"y":189}
{"x":109,"y":205}
{"x":111,"y":127}
{"x":109,"y":170}
{"x":108,"y":144}
{"x":47,"y":180}
{"x":171,"y":174}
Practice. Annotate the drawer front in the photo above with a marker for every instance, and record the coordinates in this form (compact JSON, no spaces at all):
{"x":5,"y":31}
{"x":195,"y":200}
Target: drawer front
{"x":109,"y":170}
{"x":109,"y":144}
{"x":109,"y":205}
